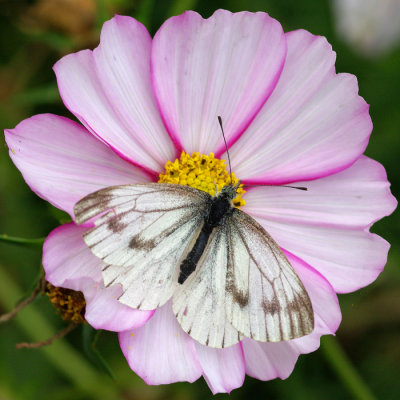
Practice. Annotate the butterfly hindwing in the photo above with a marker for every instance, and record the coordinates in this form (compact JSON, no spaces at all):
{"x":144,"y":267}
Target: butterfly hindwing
{"x":265,"y":299}
{"x":243,"y":285}
{"x":199,"y":304}
{"x":142,"y":233}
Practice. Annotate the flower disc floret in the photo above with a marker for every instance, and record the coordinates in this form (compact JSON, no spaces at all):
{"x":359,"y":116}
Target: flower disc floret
{"x":202,"y":172}
{"x":70,"y":303}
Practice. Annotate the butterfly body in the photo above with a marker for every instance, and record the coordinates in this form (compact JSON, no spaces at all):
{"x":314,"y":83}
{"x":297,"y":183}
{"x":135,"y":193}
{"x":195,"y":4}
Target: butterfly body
{"x":220,"y":206}
{"x":221,"y":273}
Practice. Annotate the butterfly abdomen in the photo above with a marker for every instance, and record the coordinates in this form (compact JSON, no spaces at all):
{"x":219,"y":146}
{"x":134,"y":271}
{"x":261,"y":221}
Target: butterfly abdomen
{"x":189,"y":263}
{"x":219,"y":207}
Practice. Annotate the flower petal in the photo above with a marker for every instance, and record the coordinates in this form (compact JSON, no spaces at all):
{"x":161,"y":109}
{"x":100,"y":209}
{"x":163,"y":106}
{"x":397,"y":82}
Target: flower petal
{"x":161,"y":352}
{"x":348,"y":258}
{"x":226,"y":65}
{"x":223,"y":369}
{"x":327,"y":226}
{"x":69,"y":263}
{"x":355,"y":197}
{"x":324,"y":301}
{"x":62,"y":162}
{"x":104,"y":311}
{"x":267,"y":361}
{"x":110,"y":91}
{"x":314,"y":124}
{"x":66,"y":257}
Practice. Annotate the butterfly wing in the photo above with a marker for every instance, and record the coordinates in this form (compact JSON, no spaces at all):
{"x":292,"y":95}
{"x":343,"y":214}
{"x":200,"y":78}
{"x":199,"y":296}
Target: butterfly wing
{"x":199,"y":304}
{"x":265,"y":299}
{"x":243,"y":285}
{"x":142,"y":232}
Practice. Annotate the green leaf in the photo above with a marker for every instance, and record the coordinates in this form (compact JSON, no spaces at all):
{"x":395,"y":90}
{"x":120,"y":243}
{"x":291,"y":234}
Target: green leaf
{"x":89,"y":339}
{"x":33,"y":243}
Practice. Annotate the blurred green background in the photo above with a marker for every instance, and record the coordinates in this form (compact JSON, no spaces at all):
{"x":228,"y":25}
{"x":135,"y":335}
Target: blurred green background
{"x":33,"y":36}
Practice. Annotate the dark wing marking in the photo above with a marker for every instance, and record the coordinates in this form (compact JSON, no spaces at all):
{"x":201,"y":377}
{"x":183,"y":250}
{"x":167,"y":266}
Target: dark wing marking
{"x":142,"y":233}
{"x":265,"y":299}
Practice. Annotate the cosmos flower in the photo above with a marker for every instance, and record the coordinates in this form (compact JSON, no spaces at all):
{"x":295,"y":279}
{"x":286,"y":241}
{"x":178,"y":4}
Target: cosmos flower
{"x":148,"y":109}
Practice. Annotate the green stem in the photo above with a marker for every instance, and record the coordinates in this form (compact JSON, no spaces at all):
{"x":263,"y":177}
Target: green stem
{"x":22,"y":241}
{"x":62,"y":355}
{"x":343,"y":367}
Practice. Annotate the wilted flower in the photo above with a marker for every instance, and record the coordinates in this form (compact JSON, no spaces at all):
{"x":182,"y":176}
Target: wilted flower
{"x":149,"y":109}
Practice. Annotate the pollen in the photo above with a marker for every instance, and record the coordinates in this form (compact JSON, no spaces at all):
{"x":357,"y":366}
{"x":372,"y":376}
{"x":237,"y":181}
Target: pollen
{"x":70,"y":304}
{"x":202,"y":172}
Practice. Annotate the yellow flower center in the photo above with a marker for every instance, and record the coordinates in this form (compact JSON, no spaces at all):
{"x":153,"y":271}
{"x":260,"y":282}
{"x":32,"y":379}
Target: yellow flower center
{"x":69,"y":303}
{"x":202,"y":172}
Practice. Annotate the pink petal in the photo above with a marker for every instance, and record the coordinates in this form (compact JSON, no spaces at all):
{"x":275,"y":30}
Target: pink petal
{"x":69,"y":263}
{"x":161,"y":352}
{"x":348,"y":258}
{"x":267,"y":361}
{"x":223,"y":369}
{"x":110,"y":91}
{"x":62,"y":162}
{"x":324,"y":301}
{"x":104,"y":311}
{"x":66,"y":257}
{"x":226,"y":65}
{"x":314,"y":123}
{"x":327,"y":226}
{"x":355,"y":197}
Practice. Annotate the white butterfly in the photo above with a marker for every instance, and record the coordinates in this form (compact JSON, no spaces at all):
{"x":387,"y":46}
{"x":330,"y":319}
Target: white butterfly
{"x":227,"y":277}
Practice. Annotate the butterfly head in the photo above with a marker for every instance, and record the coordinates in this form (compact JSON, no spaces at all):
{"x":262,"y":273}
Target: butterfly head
{"x":229,"y":191}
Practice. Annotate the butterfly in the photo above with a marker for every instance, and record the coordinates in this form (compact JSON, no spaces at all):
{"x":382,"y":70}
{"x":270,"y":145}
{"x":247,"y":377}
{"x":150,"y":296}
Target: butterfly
{"x":226,"y":276}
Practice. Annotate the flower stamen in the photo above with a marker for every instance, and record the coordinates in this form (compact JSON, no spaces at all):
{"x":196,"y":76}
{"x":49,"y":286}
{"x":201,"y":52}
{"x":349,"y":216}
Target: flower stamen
{"x":202,"y":172}
{"x":69,"y":303}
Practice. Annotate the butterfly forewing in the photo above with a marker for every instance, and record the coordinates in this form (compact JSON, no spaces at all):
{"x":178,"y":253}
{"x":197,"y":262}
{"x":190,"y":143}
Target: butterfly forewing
{"x":142,"y":232}
{"x":265,"y":299}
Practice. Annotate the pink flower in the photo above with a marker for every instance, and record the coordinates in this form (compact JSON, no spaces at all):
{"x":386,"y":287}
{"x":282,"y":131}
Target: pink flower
{"x":288,"y":118}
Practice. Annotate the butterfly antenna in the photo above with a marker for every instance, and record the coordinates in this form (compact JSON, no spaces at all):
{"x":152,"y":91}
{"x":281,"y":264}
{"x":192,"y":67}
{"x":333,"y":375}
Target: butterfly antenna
{"x":286,"y":186}
{"x":226,"y":146}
